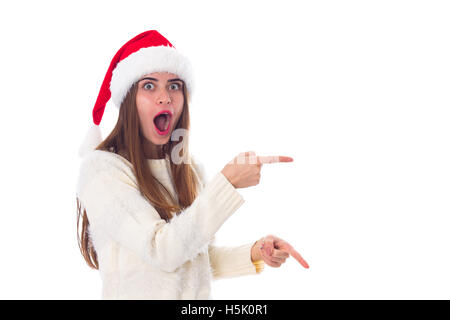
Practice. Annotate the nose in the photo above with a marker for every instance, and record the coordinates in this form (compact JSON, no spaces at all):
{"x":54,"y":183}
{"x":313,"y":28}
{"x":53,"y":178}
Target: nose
{"x":164,"y":97}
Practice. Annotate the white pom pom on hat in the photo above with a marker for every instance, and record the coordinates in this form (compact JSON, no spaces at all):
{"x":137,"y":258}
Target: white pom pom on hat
{"x":146,"y":53}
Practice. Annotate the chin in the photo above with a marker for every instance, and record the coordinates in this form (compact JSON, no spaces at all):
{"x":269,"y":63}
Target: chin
{"x":161,"y":141}
{"x":160,"y":144}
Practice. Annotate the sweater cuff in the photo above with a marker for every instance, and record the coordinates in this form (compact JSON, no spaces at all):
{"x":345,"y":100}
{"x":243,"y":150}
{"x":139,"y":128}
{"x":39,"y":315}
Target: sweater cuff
{"x":244,"y":263}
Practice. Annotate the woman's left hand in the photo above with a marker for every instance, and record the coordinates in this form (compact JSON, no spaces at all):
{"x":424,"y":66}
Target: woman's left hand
{"x":274,"y":251}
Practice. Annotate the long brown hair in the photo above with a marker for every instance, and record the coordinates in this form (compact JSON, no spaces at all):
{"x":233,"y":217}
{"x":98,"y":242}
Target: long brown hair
{"x":126,"y":140}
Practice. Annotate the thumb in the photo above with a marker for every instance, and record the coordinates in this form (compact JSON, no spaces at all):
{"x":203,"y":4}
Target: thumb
{"x":268,"y":245}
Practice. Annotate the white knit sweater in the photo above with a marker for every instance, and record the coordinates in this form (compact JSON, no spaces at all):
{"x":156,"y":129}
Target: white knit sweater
{"x":141,"y":256}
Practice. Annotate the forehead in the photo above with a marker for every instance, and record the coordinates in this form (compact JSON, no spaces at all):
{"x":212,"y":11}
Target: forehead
{"x":160,"y":75}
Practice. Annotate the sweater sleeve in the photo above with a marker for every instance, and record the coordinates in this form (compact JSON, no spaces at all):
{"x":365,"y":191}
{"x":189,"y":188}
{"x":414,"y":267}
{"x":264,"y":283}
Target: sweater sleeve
{"x":116,"y":208}
{"x":230,"y":262}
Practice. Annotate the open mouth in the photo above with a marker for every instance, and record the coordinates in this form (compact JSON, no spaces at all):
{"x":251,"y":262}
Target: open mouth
{"x":162,"y":122}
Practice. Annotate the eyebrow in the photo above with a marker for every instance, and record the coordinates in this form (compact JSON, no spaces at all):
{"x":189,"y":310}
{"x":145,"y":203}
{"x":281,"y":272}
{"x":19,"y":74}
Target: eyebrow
{"x":154,"y":79}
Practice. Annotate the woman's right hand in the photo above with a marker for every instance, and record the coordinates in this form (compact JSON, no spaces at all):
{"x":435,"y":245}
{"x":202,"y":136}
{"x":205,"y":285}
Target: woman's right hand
{"x":245,"y":169}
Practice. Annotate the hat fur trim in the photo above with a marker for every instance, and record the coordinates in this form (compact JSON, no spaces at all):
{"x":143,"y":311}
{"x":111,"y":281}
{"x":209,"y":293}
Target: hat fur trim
{"x":148,"y":60}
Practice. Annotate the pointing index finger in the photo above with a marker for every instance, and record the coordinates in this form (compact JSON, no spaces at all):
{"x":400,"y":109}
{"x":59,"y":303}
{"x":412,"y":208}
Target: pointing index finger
{"x":297,"y":257}
{"x":273,"y":159}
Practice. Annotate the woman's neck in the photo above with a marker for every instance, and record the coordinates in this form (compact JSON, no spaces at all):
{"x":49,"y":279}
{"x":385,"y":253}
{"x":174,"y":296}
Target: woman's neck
{"x":152,"y":151}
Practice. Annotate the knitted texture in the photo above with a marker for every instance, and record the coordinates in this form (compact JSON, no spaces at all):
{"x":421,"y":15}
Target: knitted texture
{"x":140,"y":255}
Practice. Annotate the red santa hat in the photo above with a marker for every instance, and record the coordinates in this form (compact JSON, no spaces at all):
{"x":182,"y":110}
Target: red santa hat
{"x":146,"y":53}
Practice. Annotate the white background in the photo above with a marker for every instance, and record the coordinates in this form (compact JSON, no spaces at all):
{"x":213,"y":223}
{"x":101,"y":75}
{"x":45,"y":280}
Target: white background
{"x":357,"y":92}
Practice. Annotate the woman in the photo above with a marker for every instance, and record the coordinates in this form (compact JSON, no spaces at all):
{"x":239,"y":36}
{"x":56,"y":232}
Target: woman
{"x":148,"y":214}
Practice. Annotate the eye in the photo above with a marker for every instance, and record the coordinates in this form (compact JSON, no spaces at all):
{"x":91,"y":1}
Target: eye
{"x":177,"y":86}
{"x":146,"y":86}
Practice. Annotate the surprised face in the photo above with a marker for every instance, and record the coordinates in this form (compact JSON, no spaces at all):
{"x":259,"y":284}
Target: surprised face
{"x":159,"y":102}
